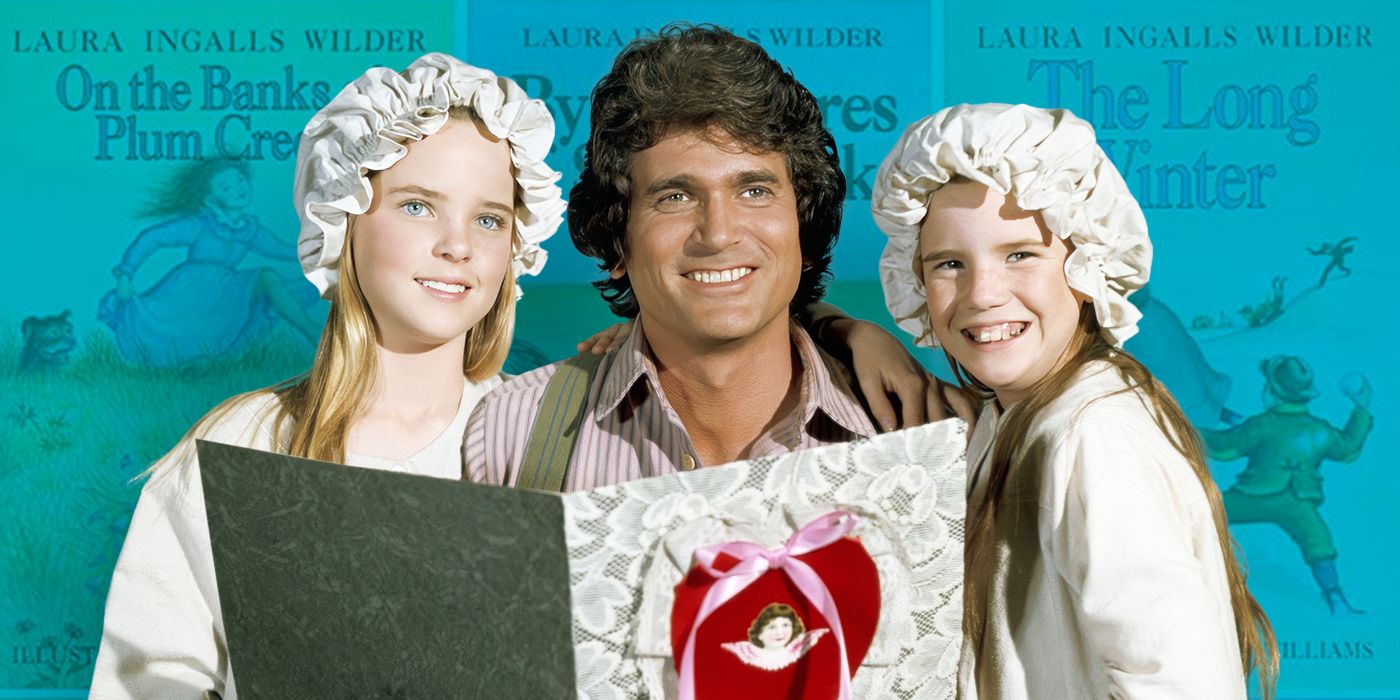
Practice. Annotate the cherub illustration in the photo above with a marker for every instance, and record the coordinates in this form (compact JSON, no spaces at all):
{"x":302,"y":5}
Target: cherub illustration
{"x":1337,"y":254}
{"x":776,"y":639}
{"x":1285,"y":447}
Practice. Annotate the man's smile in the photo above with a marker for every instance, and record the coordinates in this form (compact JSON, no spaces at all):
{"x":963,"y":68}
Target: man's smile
{"x":732,"y":274}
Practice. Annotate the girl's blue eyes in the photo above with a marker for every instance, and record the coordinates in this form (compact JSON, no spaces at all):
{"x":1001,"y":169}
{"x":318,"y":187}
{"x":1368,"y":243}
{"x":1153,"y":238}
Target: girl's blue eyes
{"x":418,"y":210}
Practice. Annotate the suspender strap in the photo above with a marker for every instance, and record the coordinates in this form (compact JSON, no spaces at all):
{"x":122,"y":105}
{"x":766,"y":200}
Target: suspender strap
{"x":555,"y":432}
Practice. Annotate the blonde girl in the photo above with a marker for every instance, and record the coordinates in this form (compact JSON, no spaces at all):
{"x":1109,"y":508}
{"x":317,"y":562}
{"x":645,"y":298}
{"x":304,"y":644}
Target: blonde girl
{"x":1098,"y":560}
{"x":422,"y":196}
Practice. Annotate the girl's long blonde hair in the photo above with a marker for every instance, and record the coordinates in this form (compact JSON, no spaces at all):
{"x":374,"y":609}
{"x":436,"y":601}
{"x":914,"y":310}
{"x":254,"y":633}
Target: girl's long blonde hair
{"x":314,"y":411}
{"x":1258,"y":646}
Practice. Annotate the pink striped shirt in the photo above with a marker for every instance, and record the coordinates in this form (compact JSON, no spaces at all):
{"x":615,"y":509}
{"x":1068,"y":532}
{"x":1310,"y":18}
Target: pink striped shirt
{"x":630,"y":431}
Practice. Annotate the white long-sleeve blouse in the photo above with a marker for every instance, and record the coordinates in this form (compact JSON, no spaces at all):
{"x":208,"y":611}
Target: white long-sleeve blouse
{"x":1108,"y":578}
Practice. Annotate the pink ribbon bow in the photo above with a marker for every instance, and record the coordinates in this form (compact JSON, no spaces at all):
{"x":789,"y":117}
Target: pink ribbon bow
{"x":754,"y":562}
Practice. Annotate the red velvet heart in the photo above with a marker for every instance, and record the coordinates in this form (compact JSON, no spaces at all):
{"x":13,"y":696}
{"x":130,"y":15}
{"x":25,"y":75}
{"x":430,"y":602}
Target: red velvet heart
{"x":729,"y":665}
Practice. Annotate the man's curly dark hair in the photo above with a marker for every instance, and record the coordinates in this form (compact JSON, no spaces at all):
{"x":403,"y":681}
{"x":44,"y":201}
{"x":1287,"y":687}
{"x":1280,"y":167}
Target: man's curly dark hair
{"x":703,"y":77}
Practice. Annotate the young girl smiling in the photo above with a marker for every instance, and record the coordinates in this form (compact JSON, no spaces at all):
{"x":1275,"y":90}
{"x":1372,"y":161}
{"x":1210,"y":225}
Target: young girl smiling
{"x":422,"y":196}
{"x":1098,"y":559}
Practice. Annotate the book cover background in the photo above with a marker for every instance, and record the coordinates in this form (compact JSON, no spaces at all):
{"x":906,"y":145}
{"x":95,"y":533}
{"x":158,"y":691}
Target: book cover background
{"x":1233,"y":205}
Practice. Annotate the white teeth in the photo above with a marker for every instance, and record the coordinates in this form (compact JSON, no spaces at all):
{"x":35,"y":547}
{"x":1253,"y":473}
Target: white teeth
{"x":992,"y":334}
{"x":443,"y":286}
{"x":719,"y":276}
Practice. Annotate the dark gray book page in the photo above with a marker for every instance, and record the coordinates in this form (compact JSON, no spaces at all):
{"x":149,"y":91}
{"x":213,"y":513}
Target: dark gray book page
{"x":338,"y":581}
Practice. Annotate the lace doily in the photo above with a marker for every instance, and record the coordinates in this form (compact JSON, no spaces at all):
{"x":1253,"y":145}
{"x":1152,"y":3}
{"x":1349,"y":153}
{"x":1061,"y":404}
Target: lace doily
{"x":908,"y":487}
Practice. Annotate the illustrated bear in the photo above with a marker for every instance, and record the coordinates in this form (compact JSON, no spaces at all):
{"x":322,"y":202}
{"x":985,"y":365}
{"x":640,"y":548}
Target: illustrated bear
{"x":48,"y":343}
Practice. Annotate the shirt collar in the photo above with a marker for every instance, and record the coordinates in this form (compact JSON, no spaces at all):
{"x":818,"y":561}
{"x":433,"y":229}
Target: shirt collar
{"x":629,"y":364}
{"x":824,"y":385}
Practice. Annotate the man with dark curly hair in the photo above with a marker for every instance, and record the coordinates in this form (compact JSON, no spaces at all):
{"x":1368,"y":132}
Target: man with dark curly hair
{"x":711,"y":196}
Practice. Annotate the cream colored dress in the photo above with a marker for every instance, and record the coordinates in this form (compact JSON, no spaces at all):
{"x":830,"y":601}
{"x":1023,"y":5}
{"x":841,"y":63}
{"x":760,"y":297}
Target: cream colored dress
{"x":1111,"y":583}
{"x":163,"y":635}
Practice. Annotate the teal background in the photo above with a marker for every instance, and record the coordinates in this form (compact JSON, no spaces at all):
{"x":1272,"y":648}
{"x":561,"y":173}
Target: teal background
{"x":73,"y":436}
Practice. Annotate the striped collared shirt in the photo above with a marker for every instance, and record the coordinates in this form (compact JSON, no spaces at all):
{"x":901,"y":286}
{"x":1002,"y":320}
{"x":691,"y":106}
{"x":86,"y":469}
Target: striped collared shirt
{"x":629,"y":429}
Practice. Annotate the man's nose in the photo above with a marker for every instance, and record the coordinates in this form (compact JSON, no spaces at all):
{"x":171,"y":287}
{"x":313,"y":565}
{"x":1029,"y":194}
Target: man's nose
{"x":720,"y":224}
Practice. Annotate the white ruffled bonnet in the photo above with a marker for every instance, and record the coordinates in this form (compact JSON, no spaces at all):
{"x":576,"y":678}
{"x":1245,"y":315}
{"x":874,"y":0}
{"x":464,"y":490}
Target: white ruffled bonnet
{"x":365,"y":127}
{"x":1048,"y":160}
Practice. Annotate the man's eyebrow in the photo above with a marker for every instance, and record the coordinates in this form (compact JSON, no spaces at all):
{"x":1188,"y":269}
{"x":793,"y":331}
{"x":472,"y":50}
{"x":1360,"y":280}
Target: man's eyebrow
{"x":752,"y":177}
{"x":686,"y":182}
{"x":421,"y":191}
{"x":675,"y":182}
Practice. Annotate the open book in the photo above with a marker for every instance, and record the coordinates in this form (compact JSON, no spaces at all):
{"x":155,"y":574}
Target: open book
{"x":344,"y":582}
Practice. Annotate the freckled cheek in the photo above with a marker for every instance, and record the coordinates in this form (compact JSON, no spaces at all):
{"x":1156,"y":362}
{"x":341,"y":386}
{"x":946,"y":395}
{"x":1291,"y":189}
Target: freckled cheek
{"x":1040,"y":286}
{"x":1047,"y":279}
{"x":940,"y":296}
{"x":1062,"y":295}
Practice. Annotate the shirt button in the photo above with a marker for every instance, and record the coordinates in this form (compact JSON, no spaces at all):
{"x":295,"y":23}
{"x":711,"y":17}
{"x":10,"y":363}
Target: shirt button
{"x":687,"y":462}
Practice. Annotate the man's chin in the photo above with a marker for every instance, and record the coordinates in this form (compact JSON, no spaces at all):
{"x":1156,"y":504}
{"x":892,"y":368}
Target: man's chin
{"x":720,"y":331}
